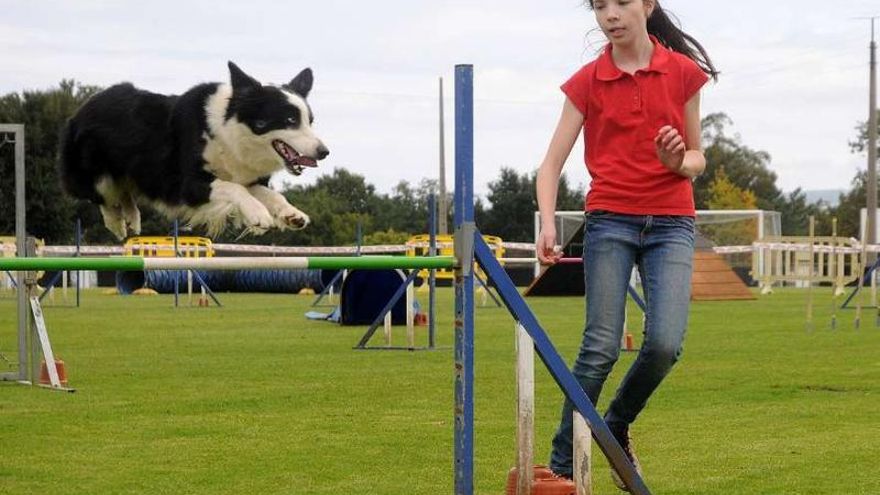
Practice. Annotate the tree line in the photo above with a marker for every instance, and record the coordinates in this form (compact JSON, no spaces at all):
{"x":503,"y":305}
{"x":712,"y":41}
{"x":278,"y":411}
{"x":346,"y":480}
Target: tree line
{"x":736,"y":177}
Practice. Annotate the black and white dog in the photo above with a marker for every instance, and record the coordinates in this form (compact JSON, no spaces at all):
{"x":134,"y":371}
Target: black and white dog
{"x":204,"y":157}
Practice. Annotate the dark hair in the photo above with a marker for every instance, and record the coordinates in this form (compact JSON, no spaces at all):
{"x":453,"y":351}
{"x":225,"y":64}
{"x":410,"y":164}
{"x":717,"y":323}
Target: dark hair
{"x":668,"y":32}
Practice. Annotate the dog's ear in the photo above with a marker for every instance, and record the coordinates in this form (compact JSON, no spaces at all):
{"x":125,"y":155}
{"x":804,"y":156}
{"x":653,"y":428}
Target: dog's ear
{"x":241,"y":82}
{"x":302,"y":83}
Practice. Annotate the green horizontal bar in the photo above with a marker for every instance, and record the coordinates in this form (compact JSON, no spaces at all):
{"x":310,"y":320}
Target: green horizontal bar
{"x":134,"y":263}
{"x":381,"y":262}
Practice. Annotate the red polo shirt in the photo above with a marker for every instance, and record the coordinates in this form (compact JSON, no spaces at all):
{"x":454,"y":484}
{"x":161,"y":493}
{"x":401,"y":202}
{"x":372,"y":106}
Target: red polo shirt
{"x":622,"y":114}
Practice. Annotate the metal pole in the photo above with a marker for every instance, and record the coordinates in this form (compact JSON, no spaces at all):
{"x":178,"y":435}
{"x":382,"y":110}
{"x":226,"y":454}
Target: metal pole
{"x":444,"y":208}
{"x":871,"y":181}
{"x":432,"y":274}
{"x":20,"y":246}
{"x":176,"y":254}
{"x":872,"y":143}
{"x":78,"y":243}
{"x":464,"y":281}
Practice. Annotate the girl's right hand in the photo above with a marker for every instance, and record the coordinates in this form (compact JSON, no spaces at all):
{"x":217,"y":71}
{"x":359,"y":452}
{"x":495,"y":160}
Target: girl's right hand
{"x":545,"y":248}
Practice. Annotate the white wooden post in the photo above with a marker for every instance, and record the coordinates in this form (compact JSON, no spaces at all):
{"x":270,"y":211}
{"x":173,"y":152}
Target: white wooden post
{"x":410,"y":317}
{"x":525,"y":408}
{"x":583,"y":456}
{"x":189,"y":286}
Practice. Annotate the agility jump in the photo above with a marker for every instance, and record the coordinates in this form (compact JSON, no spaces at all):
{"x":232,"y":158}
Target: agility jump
{"x":469,"y":248}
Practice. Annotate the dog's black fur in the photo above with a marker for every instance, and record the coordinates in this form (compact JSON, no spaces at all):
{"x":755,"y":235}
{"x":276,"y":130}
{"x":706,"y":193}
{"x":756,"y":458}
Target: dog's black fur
{"x":204,"y":156}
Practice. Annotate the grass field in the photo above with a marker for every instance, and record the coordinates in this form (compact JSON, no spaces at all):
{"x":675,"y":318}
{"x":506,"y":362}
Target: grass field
{"x":253,"y":398}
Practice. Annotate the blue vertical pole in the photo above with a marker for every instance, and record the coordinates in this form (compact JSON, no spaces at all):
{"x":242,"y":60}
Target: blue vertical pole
{"x":78,"y":244}
{"x":176,"y":288}
{"x":464,"y":280}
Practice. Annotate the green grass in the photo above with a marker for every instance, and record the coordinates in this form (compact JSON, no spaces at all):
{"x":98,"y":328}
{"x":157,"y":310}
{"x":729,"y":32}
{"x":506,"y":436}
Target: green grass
{"x":254,"y":398}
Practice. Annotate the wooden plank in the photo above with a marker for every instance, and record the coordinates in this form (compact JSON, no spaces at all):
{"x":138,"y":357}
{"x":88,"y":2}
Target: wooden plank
{"x":583,"y":456}
{"x":525,"y":410}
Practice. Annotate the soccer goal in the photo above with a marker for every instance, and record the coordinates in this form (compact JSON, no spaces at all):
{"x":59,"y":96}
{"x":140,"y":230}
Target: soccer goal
{"x":727,"y":232}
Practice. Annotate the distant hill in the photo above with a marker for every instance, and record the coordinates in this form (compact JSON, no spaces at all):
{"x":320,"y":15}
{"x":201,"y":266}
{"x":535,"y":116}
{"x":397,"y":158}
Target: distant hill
{"x":829,"y":196}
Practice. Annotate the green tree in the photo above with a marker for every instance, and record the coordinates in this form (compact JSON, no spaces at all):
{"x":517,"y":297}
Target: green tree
{"x":406,"y":209}
{"x":860,"y":144}
{"x":50,"y":212}
{"x":748,"y":169}
{"x":512,"y":200}
{"x":389,"y":236}
{"x":796,"y":213}
{"x":744,"y":167}
{"x":725,"y":195}
{"x":848,"y":211}
{"x":512,"y":205}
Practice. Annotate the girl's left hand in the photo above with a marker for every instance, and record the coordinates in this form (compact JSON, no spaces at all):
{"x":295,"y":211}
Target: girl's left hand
{"x":670,"y":148}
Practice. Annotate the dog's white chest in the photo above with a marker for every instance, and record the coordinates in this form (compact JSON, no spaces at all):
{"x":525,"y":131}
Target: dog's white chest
{"x":242,"y":166}
{"x":217,"y":161}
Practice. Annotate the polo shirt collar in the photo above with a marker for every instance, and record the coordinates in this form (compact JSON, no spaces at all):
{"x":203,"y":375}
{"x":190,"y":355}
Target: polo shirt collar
{"x":607,"y":71}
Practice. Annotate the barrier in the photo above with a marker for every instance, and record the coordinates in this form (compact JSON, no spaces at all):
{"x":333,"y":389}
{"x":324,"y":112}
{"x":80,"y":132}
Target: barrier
{"x":830,"y":259}
{"x":419,"y":245}
{"x":158,"y":246}
{"x":256,"y":263}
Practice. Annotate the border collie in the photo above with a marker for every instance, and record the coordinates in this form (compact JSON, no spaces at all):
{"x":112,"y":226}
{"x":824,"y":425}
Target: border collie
{"x":204,"y":157}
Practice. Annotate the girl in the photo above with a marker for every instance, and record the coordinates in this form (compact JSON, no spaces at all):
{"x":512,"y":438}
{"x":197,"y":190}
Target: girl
{"x":639,"y":106}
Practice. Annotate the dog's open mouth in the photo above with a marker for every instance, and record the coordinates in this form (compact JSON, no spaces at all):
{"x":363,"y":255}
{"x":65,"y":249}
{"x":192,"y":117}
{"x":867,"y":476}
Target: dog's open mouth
{"x":294,"y":162}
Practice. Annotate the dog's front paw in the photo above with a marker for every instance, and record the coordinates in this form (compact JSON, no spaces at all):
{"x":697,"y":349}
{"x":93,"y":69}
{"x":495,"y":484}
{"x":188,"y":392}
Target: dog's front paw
{"x":292,"y":218}
{"x":257,"y":219}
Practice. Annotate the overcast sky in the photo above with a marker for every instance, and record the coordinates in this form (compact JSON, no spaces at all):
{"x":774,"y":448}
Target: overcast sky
{"x":794,"y":73}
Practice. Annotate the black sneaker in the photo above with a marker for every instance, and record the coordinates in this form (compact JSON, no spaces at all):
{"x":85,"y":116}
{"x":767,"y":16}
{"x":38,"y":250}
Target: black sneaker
{"x":621,"y":434}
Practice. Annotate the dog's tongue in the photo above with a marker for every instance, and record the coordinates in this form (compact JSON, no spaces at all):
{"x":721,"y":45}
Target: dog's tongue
{"x":293,"y":160}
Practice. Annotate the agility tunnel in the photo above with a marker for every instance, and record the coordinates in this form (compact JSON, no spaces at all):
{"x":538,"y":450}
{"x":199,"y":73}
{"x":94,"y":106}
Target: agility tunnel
{"x":269,"y":281}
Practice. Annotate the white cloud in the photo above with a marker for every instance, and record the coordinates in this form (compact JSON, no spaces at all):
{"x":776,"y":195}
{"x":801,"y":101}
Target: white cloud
{"x":794,"y":76}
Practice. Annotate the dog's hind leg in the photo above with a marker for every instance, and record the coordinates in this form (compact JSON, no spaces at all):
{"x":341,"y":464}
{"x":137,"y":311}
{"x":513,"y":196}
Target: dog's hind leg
{"x":286,"y":215}
{"x":114,"y":220}
{"x":111,"y":208}
{"x":130,"y":213}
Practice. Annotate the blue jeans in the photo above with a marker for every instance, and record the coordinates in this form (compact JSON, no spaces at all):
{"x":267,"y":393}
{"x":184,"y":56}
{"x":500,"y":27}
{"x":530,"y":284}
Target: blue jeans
{"x":663,"y":249}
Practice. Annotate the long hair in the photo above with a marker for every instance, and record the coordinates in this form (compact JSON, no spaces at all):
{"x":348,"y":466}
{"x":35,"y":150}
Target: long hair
{"x":667,"y":31}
